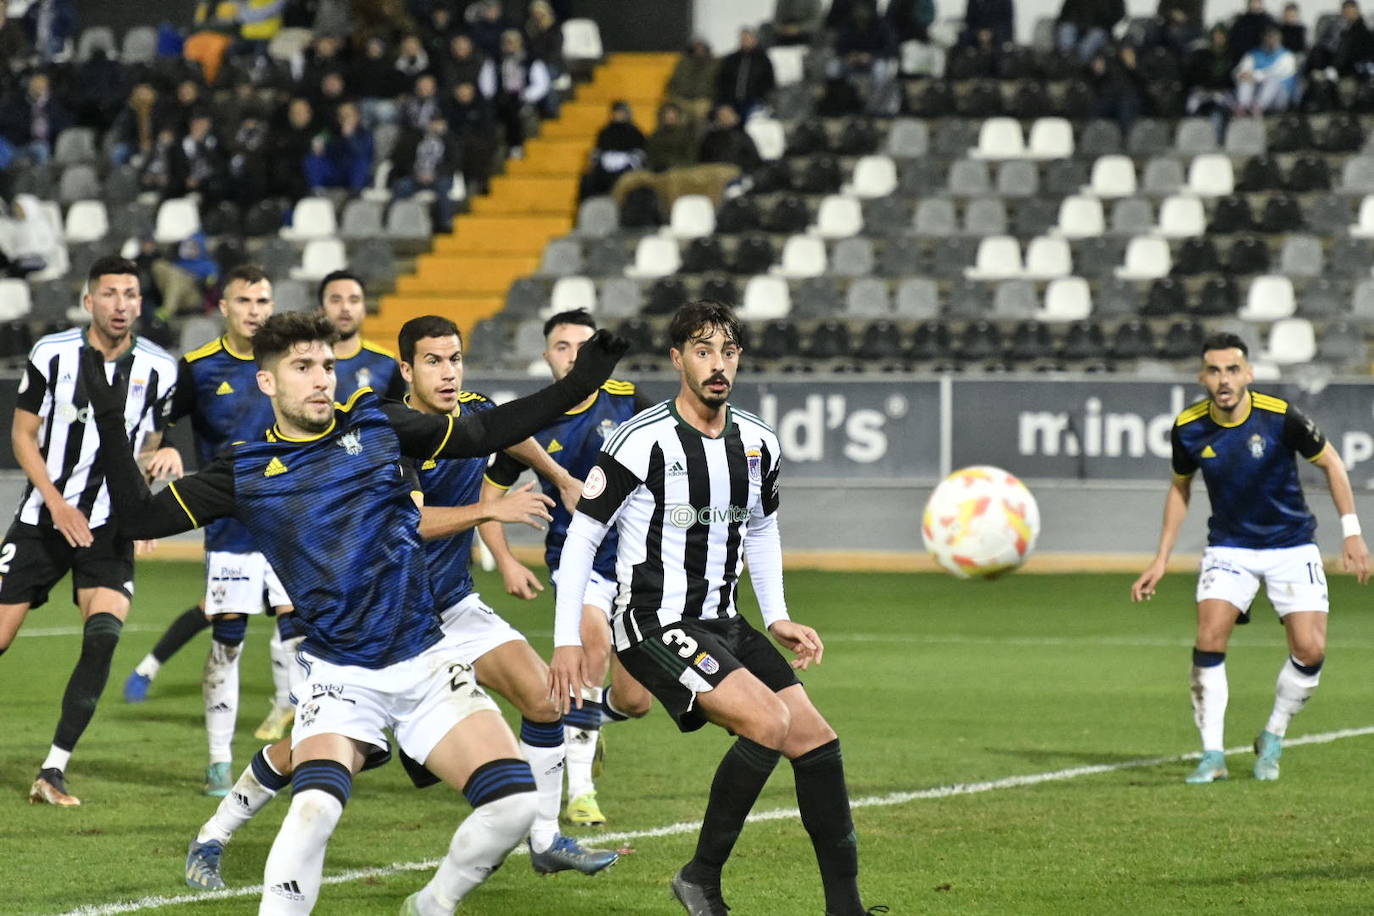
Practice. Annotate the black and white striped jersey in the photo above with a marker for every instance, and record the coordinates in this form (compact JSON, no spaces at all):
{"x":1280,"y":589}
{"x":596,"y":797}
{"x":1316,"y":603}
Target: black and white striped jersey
{"x":67,"y":437}
{"x":688,"y":510}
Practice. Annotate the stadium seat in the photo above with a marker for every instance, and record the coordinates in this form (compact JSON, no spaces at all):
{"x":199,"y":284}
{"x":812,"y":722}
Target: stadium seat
{"x":1248,"y":255}
{"x":787,"y":215}
{"x":1195,"y":136}
{"x":1132,"y":340}
{"x":838,"y":217}
{"x":703,"y":255}
{"x":597,"y":216}
{"x":787,"y":63}
{"x":139,"y":45}
{"x":1181,"y":216}
{"x":572,"y":293}
{"x":985,"y":216}
{"x":1357,"y":175}
{"x":1067,"y":299}
{"x":1050,"y":138}
{"x":920,"y":177}
{"x":618,"y":297}
{"x":312,"y":218}
{"x":999,"y":257}
{"x":666,"y":295}
{"x":852,"y":257}
{"x":1301,"y":256}
{"x":1211,"y":175}
{"x":527,"y":296}
{"x":692,"y":216}
{"x":292,"y":296}
{"x":1146,"y":259}
{"x":1048,"y":258}
{"x":816,"y":297}
{"x":1015,"y":299}
{"x":753,"y":254}
{"x":1034,"y":216}
{"x":1322,"y":298}
{"x":1081,"y":217}
{"x":1112,"y":176}
{"x":1163,"y":175}
{"x":1018,"y":178}
{"x":78,"y":182}
{"x":1065,"y":176}
{"x":15,"y":301}
{"x":886,"y":215}
{"x":582,"y":40}
{"x":874,"y":176}
{"x":1132,"y":216}
{"x":908,"y":138}
{"x":288,"y":42}
{"x":1231,"y":214}
{"x":1218,"y":296}
{"x":1197,"y":255}
{"x":765,"y":298}
{"x":829,"y":340}
{"x":1246,"y":137}
{"x":980,"y":340}
{"x":560,"y":258}
{"x":935,"y":217}
{"x":950,"y":255}
{"x":75,"y":145}
{"x":882,"y":340}
{"x":1148,"y":137}
{"x":1308,"y":173}
{"x":408,"y":220}
{"x":1030,"y":340}
{"x":1100,"y":138}
{"x":917,"y":297}
{"x":178,"y":219}
{"x":1350,"y":257}
{"x":868,"y":297}
{"x":362,"y":219}
{"x":1097,"y":257}
{"x":320,"y":257}
{"x":969,"y":178}
{"x":1182,"y":340}
{"x":1000,"y":138}
{"x":1364,"y":223}
{"x":1291,"y":341}
{"x":1342,"y":345}
{"x":932,"y":340}
{"x":899,"y":256}
{"x":1269,"y":299}
{"x":802,"y":256}
{"x":655,"y":256}
{"x":768,"y":137}
{"x":1116,"y":297}
{"x":86,"y":221}
{"x":95,"y":38}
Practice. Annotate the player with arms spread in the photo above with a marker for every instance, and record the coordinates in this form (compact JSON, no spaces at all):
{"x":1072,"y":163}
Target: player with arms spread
{"x":691,"y":486}
{"x":1245,"y":444}
{"x":329,"y":505}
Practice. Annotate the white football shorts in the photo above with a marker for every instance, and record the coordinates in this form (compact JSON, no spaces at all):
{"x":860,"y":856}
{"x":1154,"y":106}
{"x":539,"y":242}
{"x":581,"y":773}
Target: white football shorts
{"x":600,"y":592}
{"x":419,"y":699}
{"x":1293,"y":577}
{"x":236,"y":582}
{"x":476,"y":629}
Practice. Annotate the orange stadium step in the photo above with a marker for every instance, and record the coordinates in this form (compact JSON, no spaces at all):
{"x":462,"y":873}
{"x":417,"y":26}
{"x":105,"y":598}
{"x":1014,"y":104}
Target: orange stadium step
{"x":466,"y":274}
{"x":532,"y":194}
{"x":482,"y":234}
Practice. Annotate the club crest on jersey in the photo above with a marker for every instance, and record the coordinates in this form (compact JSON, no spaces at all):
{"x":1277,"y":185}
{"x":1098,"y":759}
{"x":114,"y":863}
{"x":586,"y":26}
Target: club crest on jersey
{"x":606,"y":427}
{"x":351,"y":442}
{"x":136,"y":387}
{"x":1257,"y":446}
{"x":363,"y":377}
{"x":706,"y":663}
{"x":754,"y":457}
{"x":308,"y":712}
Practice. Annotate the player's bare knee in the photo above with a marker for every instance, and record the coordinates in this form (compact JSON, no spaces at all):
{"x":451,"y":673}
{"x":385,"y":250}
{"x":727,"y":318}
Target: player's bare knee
{"x":634,"y":703}
{"x":1309,"y":654}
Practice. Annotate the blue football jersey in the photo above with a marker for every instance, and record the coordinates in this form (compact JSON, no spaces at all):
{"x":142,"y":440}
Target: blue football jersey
{"x":370,"y":366}
{"x":1250,"y":471}
{"x":574,"y":441}
{"x":453,"y":482}
{"x":218,"y":389}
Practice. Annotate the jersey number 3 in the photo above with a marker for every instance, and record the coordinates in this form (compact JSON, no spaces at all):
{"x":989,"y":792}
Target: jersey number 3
{"x":679,"y":641}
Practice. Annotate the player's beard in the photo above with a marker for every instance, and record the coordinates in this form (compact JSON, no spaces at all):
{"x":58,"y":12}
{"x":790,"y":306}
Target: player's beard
{"x":301,"y":420}
{"x":708,"y":397}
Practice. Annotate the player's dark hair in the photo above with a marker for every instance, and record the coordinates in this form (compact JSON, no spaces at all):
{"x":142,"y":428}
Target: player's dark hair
{"x":110,"y":264}
{"x":284,"y":330}
{"x":248,"y":274}
{"x":699,"y":320}
{"x":417,"y":329}
{"x":338,"y":275}
{"x":1224,"y":340}
{"x":573,"y":316}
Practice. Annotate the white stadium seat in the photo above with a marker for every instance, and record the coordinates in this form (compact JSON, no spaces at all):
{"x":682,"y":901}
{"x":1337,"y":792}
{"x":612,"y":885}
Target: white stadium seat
{"x":1147,"y":258}
{"x":765,"y":298}
{"x":655,"y":256}
{"x":838,"y":217}
{"x":1000,"y":138}
{"x":802,"y":256}
{"x":1269,"y":299}
{"x":999,"y":258}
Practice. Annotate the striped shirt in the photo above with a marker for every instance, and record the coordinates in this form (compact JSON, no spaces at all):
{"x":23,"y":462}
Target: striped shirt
{"x":67,"y":437}
{"x":688,"y":509}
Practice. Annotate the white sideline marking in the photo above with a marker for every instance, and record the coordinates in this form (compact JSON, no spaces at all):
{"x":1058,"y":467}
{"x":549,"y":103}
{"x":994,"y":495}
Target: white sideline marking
{"x":776,"y":814}
{"x":77,"y":631}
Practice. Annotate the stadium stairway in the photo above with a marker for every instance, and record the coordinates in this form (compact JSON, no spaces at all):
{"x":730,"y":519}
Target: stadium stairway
{"x":468,"y":272}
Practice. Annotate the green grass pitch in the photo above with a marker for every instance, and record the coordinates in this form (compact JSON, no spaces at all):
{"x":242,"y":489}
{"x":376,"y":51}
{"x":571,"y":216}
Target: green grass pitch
{"x":930,"y":682}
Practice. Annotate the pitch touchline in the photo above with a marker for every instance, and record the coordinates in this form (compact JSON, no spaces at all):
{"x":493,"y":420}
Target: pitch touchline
{"x":776,"y":814}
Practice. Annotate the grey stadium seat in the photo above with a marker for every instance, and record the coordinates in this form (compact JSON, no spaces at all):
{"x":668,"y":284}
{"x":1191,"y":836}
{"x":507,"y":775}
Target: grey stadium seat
{"x":816,"y":297}
{"x":1301,"y":256}
{"x":1322,"y":298}
{"x":887,"y":215}
{"x":969,"y":178}
{"x":900,"y":255}
{"x":935,"y":217}
{"x":1246,"y":137}
{"x":1116,"y":297}
{"x":908,"y":138}
{"x":140,"y":45}
{"x":1163,"y":175}
{"x":1357,"y":175}
{"x":917,"y":297}
{"x":1148,"y":137}
{"x":1015,"y":299}
{"x":1132,"y":216}
{"x":1018,"y":178}
{"x":985,"y":216}
{"x":408,"y":220}
{"x":1099,"y":138}
{"x":292,"y":295}
{"x":1195,"y":135}
{"x":1065,"y":176}
{"x":868,"y":297}
{"x":79,"y":182}
{"x":527,"y":295}
{"x":598,"y":216}
{"x":920,"y":176}
{"x":75,"y":145}
{"x":1327,"y":214}
{"x":561,"y":258}
{"x":852,"y":257}
{"x":362,"y":219}
{"x":619,"y":297}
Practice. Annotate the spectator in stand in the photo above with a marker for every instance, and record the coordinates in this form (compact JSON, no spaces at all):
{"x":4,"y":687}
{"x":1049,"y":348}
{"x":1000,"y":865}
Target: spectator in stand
{"x":135,"y":127}
{"x":1294,"y":29}
{"x":795,"y":22}
{"x":1117,"y":85}
{"x":379,"y":83}
{"x":693,"y":83}
{"x":1211,"y":87}
{"x":216,"y":28}
{"x":544,"y":39}
{"x":674,"y":142}
{"x":33,"y":119}
{"x":1085,"y":26}
{"x":464,"y":61}
{"x":186,"y":280}
{"x":379,"y":17}
{"x":155,"y":167}
{"x":260,"y":21}
{"x":1267,"y":77}
{"x":910,"y":20}
{"x":988,"y":23}
{"x":421,"y":103}
{"x":97,"y":90}
{"x":1178,"y":25}
{"x":330,"y":93}
{"x":727,"y":143}
{"x":745,"y":79}
{"x":620,"y":148}
{"x":324,"y":55}
{"x":437,"y":28}
{"x":470,"y":121}
{"x":488,"y":26}
{"x":427,"y":161}
{"x":248,"y":165}
{"x":1348,"y":49}
{"x":1247,"y":31}
{"x":343,"y":159}
{"x":411,"y":58}
{"x":198,"y":165}
{"x":51,"y":26}
{"x":15,"y":50}
{"x":291,"y":142}
{"x":512,"y":82}
{"x":865,"y":44}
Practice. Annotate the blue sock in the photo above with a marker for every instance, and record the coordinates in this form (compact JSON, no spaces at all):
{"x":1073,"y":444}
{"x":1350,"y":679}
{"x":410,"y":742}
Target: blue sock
{"x":229,"y":630}
{"x":266,"y":774}
{"x":541,"y":734}
{"x":325,"y":776}
{"x":497,"y":779}
{"x":588,"y":718}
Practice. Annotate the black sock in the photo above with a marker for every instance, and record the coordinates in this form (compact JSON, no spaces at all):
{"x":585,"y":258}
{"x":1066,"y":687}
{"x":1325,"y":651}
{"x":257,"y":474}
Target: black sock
{"x":823,"y":800}
{"x":98,"y":641}
{"x":740,"y":778}
{"x":179,"y":633}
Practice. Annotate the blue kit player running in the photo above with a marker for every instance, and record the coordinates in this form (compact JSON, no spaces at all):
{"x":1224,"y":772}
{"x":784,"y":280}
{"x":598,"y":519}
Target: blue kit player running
{"x":574,"y":441}
{"x":1246,"y":443}
{"x":328,"y":502}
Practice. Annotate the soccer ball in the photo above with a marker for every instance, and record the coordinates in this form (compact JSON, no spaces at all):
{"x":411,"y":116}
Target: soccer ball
{"x":980,"y":521}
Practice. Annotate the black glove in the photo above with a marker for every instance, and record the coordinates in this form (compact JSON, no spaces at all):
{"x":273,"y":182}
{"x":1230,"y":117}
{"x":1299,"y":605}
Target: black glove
{"x":597,"y":358}
{"x":106,"y":399}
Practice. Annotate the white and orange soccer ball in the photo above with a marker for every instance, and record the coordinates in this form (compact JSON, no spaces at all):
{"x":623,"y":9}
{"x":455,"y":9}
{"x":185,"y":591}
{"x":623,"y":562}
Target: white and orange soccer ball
{"x":980,"y":521}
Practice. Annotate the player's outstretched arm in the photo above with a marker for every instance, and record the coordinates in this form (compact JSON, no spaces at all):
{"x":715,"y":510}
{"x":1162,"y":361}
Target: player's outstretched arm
{"x":518,"y":579}
{"x":532,"y":455}
{"x":567,"y":669}
{"x":1175,"y":511}
{"x":1354,"y":551}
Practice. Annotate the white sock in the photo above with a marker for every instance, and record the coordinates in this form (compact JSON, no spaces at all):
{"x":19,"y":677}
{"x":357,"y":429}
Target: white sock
{"x":283,"y":665}
{"x":246,"y":799}
{"x":57,"y":759}
{"x":295,"y":866}
{"x":220,"y":688}
{"x":1210,"y":694}
{"x":149,"y":667}
{"x":1291,"y":693}
{"x":580,"y":748}
{"x":479,"y":846}
{"x":547,"y":764}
